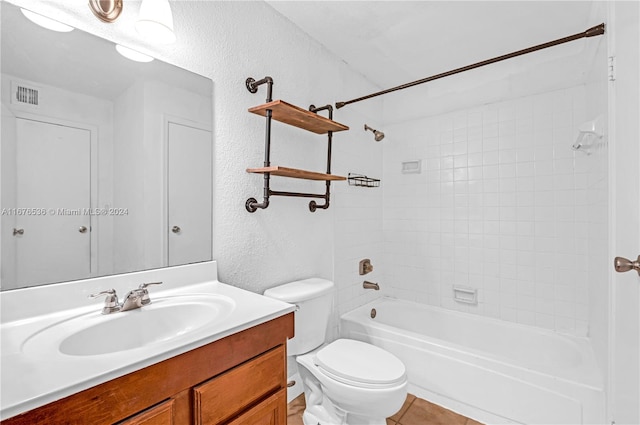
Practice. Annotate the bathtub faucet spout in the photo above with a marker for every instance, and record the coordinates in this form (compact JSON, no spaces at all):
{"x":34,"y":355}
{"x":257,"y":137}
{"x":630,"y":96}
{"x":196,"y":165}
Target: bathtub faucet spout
{"x":370,"y":285}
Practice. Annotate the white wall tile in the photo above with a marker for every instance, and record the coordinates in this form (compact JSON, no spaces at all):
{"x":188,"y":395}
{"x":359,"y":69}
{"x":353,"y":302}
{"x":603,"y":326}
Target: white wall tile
{"x":506,"y":209}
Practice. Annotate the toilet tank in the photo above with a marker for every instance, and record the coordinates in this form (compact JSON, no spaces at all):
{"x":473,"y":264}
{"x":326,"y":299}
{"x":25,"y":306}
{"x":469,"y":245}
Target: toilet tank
{"x":313,"y":299}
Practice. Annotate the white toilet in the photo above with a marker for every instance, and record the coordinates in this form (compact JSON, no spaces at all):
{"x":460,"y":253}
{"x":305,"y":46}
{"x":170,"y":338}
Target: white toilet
{"x":346,"y":382}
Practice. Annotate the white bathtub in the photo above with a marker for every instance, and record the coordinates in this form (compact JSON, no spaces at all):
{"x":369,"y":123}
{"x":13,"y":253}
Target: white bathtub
{"x":487,"y":369}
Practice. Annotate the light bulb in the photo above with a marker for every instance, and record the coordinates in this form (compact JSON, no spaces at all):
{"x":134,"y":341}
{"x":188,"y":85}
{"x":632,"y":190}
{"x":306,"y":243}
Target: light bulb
{"x":132,"y":54}
{"x":155,"y":22}
{"x":45,"y":22}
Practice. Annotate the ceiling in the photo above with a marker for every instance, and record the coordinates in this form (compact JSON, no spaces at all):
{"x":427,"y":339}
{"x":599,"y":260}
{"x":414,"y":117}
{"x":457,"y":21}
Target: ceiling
{"x":389,"y":42}
{"x":396,"y":42}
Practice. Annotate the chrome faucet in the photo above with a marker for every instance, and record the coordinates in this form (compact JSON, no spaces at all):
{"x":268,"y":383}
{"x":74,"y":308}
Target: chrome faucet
{"x":134,"y":299}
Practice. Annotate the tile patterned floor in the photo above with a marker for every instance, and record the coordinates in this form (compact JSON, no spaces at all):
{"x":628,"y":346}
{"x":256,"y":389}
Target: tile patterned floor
{"x":415,"y":411}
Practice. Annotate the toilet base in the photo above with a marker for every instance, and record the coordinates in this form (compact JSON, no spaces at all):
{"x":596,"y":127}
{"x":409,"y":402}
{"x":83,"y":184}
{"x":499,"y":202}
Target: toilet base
{"x":322,"y":411}
{"x":317,"y":415}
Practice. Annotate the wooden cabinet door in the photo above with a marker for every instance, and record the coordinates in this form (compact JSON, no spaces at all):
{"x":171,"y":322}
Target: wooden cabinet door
{"x":230,"y":394}
{"x":160,"y":414}
{"x":272,"y":411}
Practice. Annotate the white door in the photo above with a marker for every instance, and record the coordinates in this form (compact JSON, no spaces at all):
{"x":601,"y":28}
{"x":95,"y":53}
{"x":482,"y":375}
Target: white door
{"x":625,"y":188}
{"x":189,"y":194}
{"x":52,"y":188}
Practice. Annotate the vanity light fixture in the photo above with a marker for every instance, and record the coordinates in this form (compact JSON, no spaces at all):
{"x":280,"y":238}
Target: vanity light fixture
{"x":132,"y":54}
{"x":155,"y":21}
{"x":45,"y":22}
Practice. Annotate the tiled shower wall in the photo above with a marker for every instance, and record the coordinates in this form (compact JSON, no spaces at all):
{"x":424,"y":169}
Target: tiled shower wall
{"x":501,"y":205}
{"x":357,"y":215}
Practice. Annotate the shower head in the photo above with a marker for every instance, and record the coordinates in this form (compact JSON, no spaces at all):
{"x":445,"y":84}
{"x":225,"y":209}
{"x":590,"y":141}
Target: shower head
{"x":379,"y":135}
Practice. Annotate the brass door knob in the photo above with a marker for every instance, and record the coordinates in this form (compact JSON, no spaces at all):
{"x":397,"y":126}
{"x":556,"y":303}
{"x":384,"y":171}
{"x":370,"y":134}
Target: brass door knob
{"x":623,"y":265}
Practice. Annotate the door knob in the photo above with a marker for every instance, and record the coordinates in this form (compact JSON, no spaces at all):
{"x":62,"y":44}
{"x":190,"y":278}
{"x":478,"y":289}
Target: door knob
{"x":176,"y":229}
{"x":623,"y":265}
{"x":82,"y":229}
{"x":18,"y":231}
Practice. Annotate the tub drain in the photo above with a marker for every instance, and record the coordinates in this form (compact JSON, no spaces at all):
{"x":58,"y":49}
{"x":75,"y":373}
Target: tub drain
{"x":373,"y":313}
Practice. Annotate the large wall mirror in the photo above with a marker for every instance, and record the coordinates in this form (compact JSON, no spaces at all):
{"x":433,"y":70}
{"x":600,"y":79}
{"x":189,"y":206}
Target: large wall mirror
{"x":106,"y":162}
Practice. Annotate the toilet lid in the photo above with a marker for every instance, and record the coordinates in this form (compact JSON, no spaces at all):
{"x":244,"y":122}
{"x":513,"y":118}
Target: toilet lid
{"x":356,"y":362}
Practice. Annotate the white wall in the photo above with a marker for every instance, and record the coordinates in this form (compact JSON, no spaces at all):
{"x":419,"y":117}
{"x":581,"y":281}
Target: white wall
{"x":128,"y":180}
{"x":624,"y":288}
{"x":8,"y":189}
{"x":598,"y":263}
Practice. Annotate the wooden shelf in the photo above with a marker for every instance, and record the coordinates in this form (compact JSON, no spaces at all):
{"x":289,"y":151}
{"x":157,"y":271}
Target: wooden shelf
{"x":298,"y":117}
{"x":295,"y":173}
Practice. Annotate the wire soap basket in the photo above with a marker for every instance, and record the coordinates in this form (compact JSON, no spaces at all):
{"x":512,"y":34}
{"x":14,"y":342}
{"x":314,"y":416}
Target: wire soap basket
{"x":362,"y":180}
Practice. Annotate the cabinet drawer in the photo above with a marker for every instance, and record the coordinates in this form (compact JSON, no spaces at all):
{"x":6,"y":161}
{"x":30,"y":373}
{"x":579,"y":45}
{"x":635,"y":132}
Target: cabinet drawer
{"x":162,"y":414}
{"x":272,"y":411}
{"x":227,"y":395}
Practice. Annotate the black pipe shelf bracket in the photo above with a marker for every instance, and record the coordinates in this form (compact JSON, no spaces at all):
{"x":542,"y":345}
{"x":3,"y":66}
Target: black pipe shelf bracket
{"x":306,"y":119}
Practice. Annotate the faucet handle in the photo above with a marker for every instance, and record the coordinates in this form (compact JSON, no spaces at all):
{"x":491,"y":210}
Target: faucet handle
{"x":111,"y":303}
{"x":144,"y":285}
{"x":145,"y":293}
{"x":110,"y":293}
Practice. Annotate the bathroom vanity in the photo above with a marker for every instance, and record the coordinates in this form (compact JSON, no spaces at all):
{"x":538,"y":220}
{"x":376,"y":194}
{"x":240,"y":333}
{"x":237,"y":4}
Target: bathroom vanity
{"x":230,"y":369}
{"x":240,"y":379}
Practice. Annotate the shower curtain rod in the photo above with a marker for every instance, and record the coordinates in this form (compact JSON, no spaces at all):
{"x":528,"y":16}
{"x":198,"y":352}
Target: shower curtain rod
{"x":591,"y":32}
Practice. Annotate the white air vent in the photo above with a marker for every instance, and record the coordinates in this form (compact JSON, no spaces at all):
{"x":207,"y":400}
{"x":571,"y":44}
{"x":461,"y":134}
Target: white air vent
{"x":27,"y":95}
{"x":24,"y":94}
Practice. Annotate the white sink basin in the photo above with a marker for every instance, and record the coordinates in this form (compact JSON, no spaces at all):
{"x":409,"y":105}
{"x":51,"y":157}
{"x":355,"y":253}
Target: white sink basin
{"x":164,"y":319}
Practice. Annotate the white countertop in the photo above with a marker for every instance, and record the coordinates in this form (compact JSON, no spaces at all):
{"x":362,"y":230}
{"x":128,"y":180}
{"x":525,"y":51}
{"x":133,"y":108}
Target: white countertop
{"x":31,"y":379}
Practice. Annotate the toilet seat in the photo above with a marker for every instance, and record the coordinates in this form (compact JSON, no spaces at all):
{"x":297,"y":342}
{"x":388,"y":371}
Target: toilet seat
{"x":360,"y":364}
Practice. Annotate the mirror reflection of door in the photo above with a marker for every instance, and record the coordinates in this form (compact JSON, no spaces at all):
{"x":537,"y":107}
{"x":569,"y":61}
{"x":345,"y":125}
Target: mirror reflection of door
{"x":124,"y":105}
{"x":189,"y":194}
{"x":53,"y":187}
